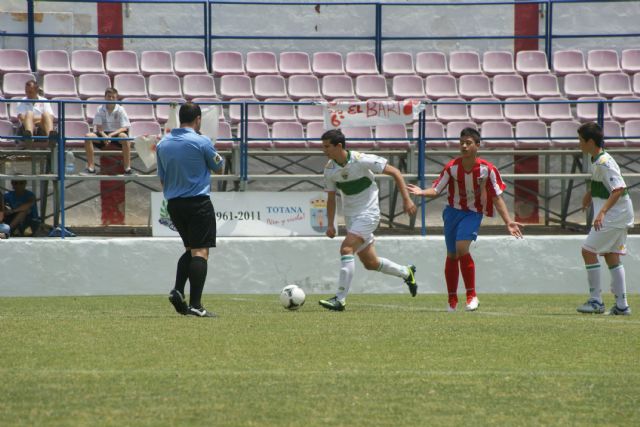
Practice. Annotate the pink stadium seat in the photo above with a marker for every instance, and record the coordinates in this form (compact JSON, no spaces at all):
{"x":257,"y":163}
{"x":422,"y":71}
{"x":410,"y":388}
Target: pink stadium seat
{"x":603,"y":61}
{"x":293,"y":63}
{"x":486,"y":112}
{"x":314,"y":132}
{"x":508,"y":86}
{"x":156,"y":62}
{"x":360,"y":63}
{"x":589,"y":111}
{"x":636,"y":84}
{"x":434,"y":134}
{"x":613,"y":134}
{"x":270,"y":86}
{"x":4,"y":115}
{"x":497,"y":62}
{"x":452,"y":112}
{"x":429,"y":112}
{"x":564,"y":134}
{"x":441,"y":86}
{"x":279,"y":112}
{"x":497,"y":135}
{"x":531,"y":62}
{"x":577,"y":85}
{"x":541,"y":85}
{"x":288,"y":130}
{"x":92,"y":85}
{"x":87,"y":62}
{"x":13,"y":84}
{"x":122,"y":62}
{"x":454,"y":129}
{"x":53,"y":61}
{"x":408,"y":87}
{"x":623,"y":111}
{"x":130,"y":85}
{"x":198,"y":86}
{"x":262,"y":63}
{"x":337,"y":87}
{"x":532,"y":135}
{"x":258,"y":132}
{"x":12,"y":109}
{"x":224,"y":63}
{"x":302,"y":86}
{"x":224,"y":132}
{"x":91,"y":109}
{"x":254,"y":111}
{"x":59,"y":85}
{"x":310,"y":113}
{"x":162,"y":111}
{"x":568,"y":62}
{"x":632,"y":133}
{"x":144,"y":128}
{"x":630,"y":61}
{"x":430,"y":63}
{"x":206,"y":104}
{"x":6,"y":130}
{"x":552,"y":112}
{"x":235,"y":86}
{"x":75,"y":129}
{"x":360,"y":137}
{"x":474,"y":86}
{"x":139,"y":112}
{"x":520,"y":110}
{"x":464,"y":63}
{"x":14,"y":61}
{"x":390,"y":132}
{"x":368,"y":87}
{"x":397,"y":63}
{"x":189,"y":62}
{"x":614,"y":84}
{"x":327,"y":63}
{"x":72,"y":111}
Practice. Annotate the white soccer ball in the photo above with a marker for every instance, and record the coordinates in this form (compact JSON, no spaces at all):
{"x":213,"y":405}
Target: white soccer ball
{"x":292,"y":297}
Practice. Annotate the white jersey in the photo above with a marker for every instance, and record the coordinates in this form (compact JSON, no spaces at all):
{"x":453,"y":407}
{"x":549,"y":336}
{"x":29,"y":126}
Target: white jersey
{"x":605,"y":178}
{"x":356,"y":182}
{"x":38,"y":106}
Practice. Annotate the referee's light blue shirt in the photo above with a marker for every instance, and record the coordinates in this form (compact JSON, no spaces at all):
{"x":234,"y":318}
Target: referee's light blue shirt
{"x":185,"y":162}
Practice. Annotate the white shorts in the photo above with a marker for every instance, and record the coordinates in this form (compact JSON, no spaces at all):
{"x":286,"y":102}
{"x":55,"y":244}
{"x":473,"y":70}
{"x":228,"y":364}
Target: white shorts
{"x":363,"y":226}
{"x":606,"y":240}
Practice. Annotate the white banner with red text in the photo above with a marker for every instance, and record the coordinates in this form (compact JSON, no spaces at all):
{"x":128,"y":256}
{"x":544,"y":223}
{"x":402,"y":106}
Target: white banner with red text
{"x":370,"y":113}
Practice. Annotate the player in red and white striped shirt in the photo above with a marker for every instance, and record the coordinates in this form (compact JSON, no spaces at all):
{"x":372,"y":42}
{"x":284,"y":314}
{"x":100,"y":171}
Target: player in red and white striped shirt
{"x":474,"y":189}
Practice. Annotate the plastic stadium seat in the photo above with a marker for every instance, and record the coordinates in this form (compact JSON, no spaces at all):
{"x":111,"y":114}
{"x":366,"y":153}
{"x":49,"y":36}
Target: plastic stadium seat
{"x":279,"y":112}
{"x":302,"y":86}
{"x":91,"y":109}
{"x":294,"y":63}
{"x":141,"y":112}
{"x":360,"y":63}
{"x":391,"y":131}
{"x":531,"y":62}
{"x":360,"y":137}
{"x":87,"y":62}
{"x":486,"y":112}
{"x":327,"y":64}
{"x":92,"y":85}
{"x":314,"y":132}
{"x":603,"y":61}
{"x":454,"y":129}
{"x":233,"y":86}
{"x":430,"y":63}
{"x":397,"y":63}
{"x":564,"y":134}
{"x":441,"y":86}
{"x":262,"y":63}
{"x":75,"y":129}
{"x":129,"y":85}
{"x":474,"y":86}
{"x":206,"y":104}
{"x":568,"y":62}
{"x":520,"y":110}
{"x":337,"y":87}
{"x":368,"y":87}
{"x":508,"y":86}
{"x":59,"y":85}
{"x":72,"y":111}
{"x":254,"y":111}
{"x":269,"y":86}
{"x":258,"y":131}
{"x":577,"y":85}
{"x":613,"y":137}
{"x":145,"y":128}
{"x":13,"y":84}
{"x":589,"y":111}
{"x":288,"y":130}
{"x":6,"y":129}
{"x":310,"y":113}
{"x":162,"y":111}
{"x":156,"y":62}
{"x":198,"y":86}
{"x":532,"y":135}
{"x":224,"y":132}
{"x":614,"y":84}
{"x":122,"y":62}
{"x":552,"y":112}
{"x":434,"y":133}
{"x":541,"y":85}
{"x":452,"y":112}
{"x":632,"y":133}
{"x":189,"y":62}
{"x":227,"y":62}
{"x":464,"y":63}
{"x":53,"y":61}
{"x":623,"y":111}
{"x":11,"y":107}
{"x":408,"y":87}
{"x":4,"y":115}
{"x":14,"y":61}
{"x":636,"y":84}
{"x":497,"y":135}
{"x":630,"y":61}
{"x":497,"y":62}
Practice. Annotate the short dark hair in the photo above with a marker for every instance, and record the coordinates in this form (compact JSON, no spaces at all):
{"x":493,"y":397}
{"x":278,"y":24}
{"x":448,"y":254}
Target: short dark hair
{"x":31,"y":82}
{"x":335,"y":137}
{"x":592,"y":130}
{"x":471,"y":132}
{"x":111,"y":91}
{"x":189,"y":112}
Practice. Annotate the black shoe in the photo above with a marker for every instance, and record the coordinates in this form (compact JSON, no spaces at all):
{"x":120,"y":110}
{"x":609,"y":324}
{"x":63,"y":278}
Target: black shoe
{"x":128,"y":172}
{"x":88,"y":172}
{"x":28,"y":138}
{"x":200,"y":312}
{"x":178,"y":301}
{"x":332,"y":304}
{"x":411,"y":280}
{"x":53,"y":138}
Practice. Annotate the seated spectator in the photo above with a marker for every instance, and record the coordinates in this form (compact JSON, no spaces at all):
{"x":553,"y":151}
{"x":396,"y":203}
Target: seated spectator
{"x":20,"y":210}
{"x":5,"y":230}
{"x":111,"y":121}
{"x":36,"y":118}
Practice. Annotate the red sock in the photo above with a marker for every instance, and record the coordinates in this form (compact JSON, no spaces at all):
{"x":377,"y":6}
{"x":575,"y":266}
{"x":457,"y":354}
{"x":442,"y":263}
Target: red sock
{"x":451,"y":274}
{"x":468,"y":270}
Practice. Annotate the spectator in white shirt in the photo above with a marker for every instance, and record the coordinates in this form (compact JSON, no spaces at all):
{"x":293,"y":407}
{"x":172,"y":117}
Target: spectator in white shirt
{"x":36,"y":118}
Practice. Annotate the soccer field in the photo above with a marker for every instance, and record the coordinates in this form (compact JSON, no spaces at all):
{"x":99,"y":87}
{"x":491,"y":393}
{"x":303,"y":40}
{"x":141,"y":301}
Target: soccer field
{"x":388,"y":360}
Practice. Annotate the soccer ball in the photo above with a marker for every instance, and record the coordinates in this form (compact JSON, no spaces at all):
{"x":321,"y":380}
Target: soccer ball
{"x":292,"y":297}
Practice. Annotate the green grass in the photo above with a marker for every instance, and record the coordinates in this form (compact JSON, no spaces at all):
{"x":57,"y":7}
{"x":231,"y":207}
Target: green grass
{"x":388,"y":360}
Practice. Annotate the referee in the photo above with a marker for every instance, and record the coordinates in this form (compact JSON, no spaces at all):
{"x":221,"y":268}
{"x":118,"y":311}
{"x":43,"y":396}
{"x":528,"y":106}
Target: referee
{"x":185,"y":162}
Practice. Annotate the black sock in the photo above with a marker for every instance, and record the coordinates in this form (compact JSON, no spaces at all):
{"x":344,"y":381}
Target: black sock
{"x":182,"y":273}
{"x":197,"y":276}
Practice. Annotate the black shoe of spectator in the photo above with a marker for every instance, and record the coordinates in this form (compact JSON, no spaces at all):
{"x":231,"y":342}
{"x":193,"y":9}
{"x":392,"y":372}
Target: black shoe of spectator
{"x":53,"y":138}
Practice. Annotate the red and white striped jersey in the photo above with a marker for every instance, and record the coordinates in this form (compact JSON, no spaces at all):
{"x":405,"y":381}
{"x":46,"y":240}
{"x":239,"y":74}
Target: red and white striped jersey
{"x":473,"y":190}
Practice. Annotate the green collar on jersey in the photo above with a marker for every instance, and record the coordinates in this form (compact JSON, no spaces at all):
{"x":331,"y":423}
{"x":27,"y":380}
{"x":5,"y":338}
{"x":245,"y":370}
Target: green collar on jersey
{"x":600,"y":154}
{"x":348,"y":158}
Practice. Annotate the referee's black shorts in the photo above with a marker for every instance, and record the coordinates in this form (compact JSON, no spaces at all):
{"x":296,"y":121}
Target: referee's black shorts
{"x":195,"y":220}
